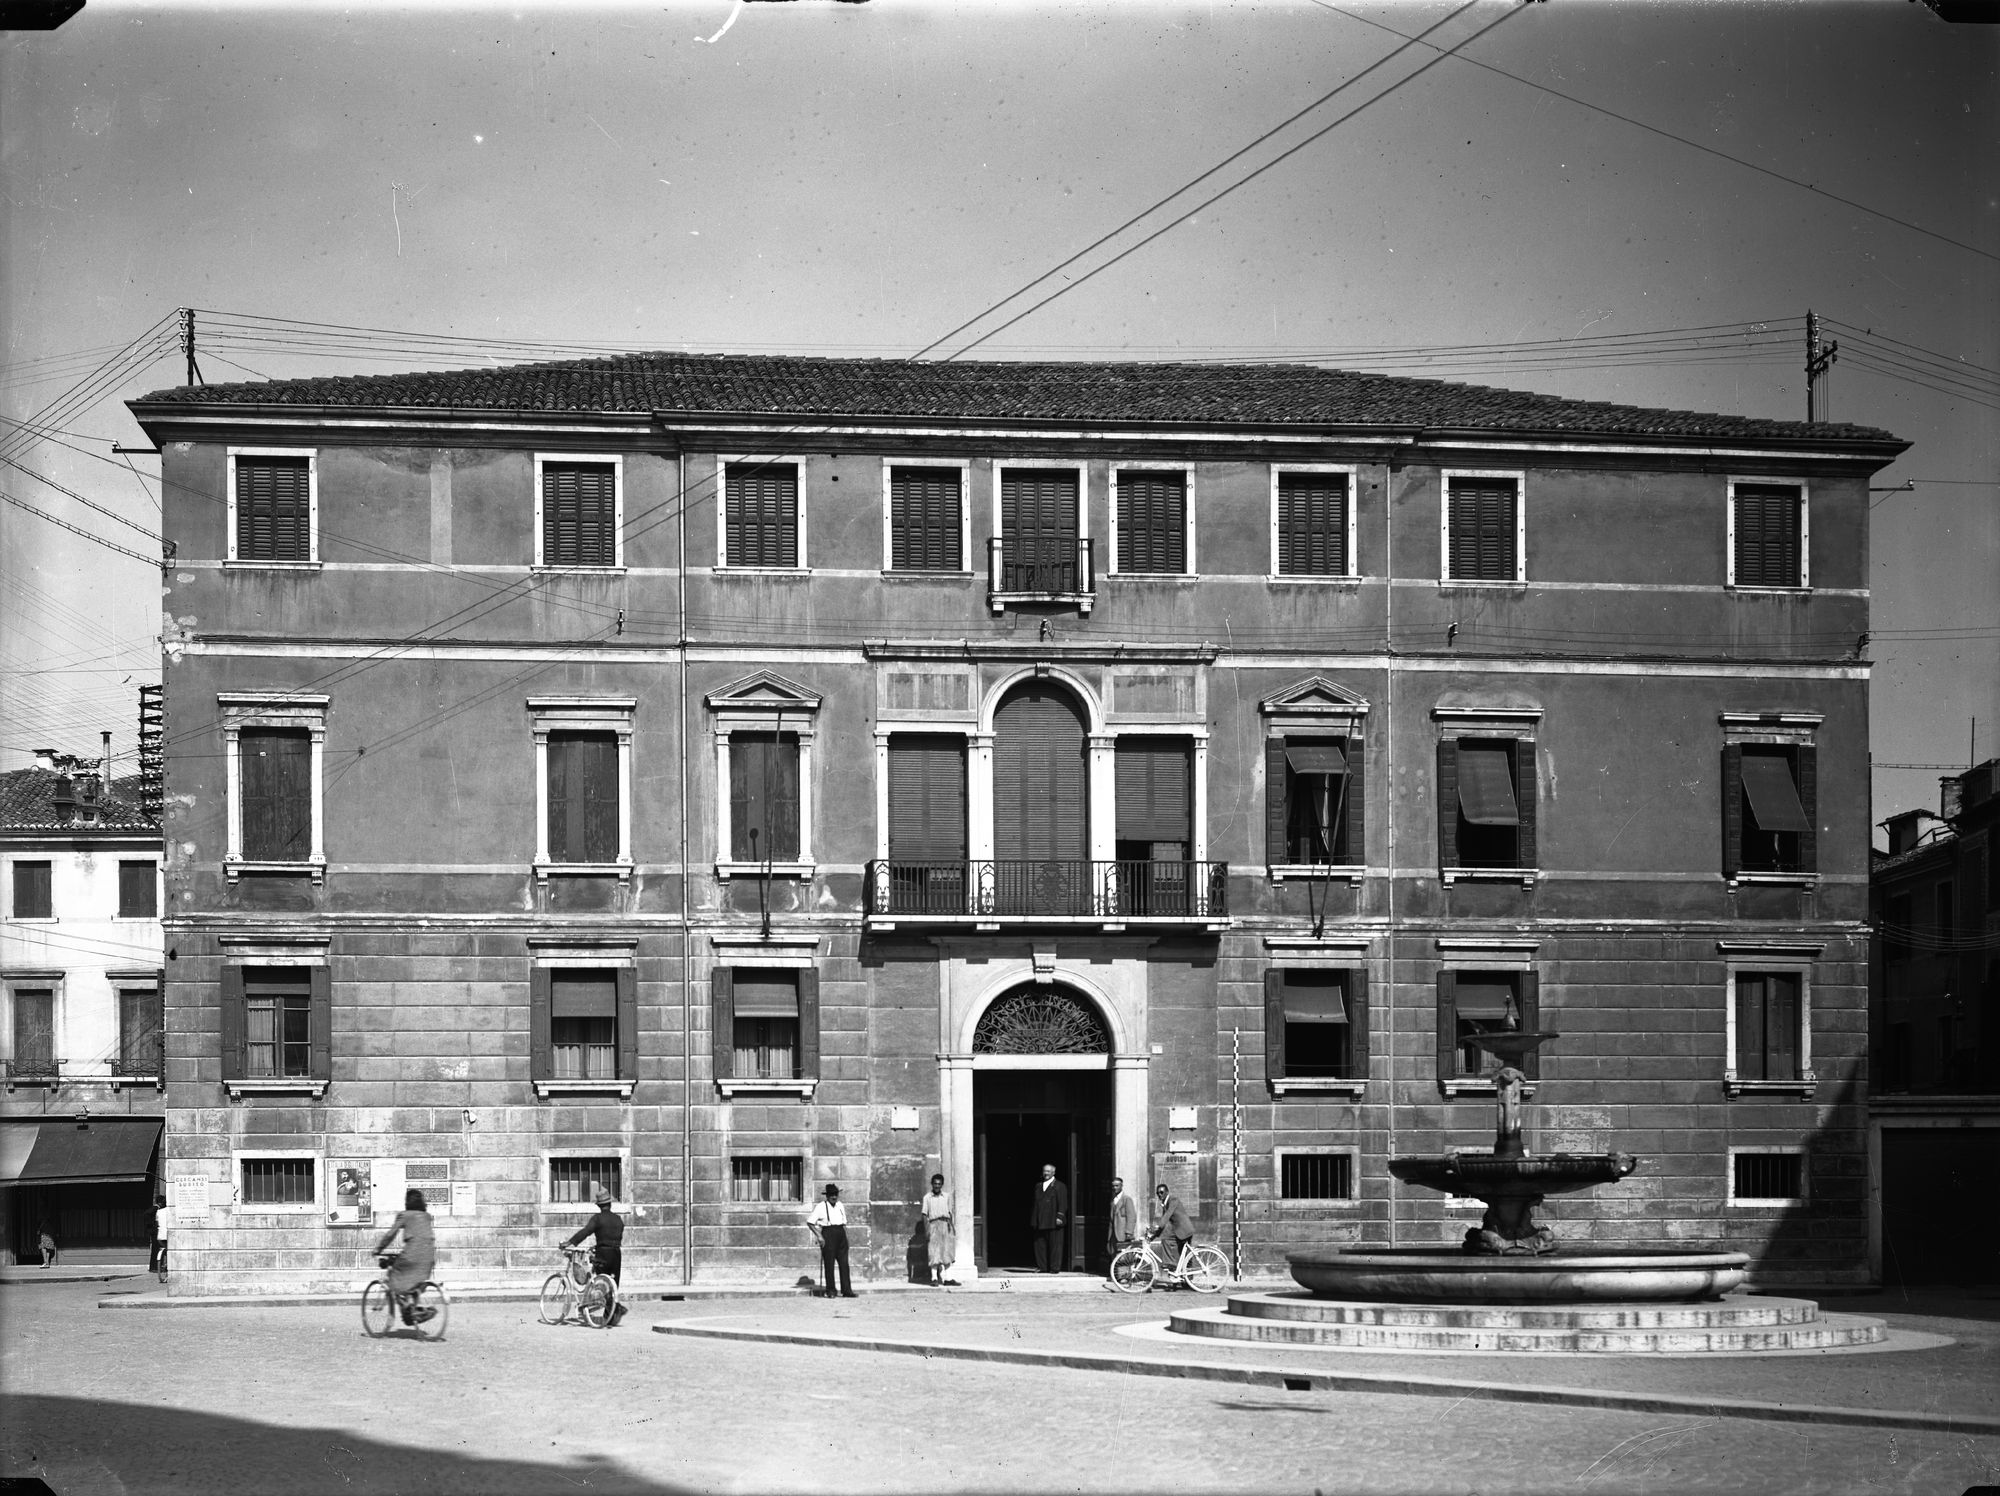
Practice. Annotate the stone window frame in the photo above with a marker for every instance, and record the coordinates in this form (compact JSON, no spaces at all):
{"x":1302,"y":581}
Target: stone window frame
{"x":1766,"y":730}
{"x":1329,"y":953}
{"x":1289,"y":1205}
{"x":616,"y":462}
{"x":1519,"y":478}
{"x":298,"y":1209}
{"x":1786,"y":958}
{"x":963,"y":466}
{"x":276,"y":710}
{"x":998,"y":470}
{"x":1494,"y":953}
{"x":230,"y":558}
{"x":1804,"y":583}
{"x":1522,"y":726}
{"x":612,"y":714}
{"x":1189,"y":567}
{"x":545,"y":1200}
{"x":1352,"y":543}
{"x":790,"y":708}
{"x":730,"y":951}
{"x":1317,"y":707}
{"x":617,"y":954}
{"x":1768,"y":1202}
{"x":312,"y":952}
{"x":723,"y":565}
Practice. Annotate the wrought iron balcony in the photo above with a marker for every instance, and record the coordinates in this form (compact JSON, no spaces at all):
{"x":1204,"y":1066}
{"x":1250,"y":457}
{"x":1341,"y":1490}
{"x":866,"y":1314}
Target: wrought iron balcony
{"x":32,"y":1070}
{"x":1026,"y":890}
{"x":1030,"y":569}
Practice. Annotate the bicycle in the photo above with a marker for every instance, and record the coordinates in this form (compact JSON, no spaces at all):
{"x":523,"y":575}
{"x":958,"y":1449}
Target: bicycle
{"x":1202,"y":1268}
{"x":427,"y":1305}
{"x":581,"y":1287}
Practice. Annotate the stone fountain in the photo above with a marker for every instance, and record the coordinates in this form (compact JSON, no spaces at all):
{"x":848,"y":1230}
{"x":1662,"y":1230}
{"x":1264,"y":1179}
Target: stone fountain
{"x":1510,"y":1286}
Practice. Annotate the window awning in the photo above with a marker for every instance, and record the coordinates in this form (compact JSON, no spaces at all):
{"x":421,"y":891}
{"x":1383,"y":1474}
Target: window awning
{"x":1774,"y":799}
{"x":1322,"y":1003}
{"x":1315,"y":758}
{"x":1487,"y":1000}
{"x":66,"y":1152}
{"x":579,"y":995}
{"x":767,"y":994}
{"x":1486,"y":785}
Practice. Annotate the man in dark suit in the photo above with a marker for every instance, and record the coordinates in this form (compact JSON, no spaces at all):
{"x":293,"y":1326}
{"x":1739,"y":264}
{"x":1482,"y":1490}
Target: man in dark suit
{"x":1050,"y":1221}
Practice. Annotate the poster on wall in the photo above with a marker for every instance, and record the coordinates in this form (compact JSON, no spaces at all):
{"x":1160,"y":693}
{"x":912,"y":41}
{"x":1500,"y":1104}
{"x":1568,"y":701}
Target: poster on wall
{"x":385,"y":1189}
{"x":190,"y":1199}
{"x":464,"y":1197}
{"x":350,"y":1196}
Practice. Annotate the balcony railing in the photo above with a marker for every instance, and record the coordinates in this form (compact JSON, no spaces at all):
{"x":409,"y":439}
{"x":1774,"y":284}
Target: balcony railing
{"x":1021,"y":569}
{"x":1032,"y":888}
{"x":32,"y":1069}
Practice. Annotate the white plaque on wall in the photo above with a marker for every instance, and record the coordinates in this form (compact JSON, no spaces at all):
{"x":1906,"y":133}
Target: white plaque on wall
{"x":1180,"y":1116}
{"x":1181,"y":1145}
{"x":386,"y":1184}
{"x":464,"y":1197}
{"x":903,"y":1118}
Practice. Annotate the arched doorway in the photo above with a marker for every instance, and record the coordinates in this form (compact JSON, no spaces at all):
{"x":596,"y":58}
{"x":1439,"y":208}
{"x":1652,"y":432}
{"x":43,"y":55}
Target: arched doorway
{"x":1041,"y":802}
{"x":1042,"y":1094}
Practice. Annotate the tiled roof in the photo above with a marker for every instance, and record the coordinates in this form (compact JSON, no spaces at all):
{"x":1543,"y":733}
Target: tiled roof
{"x":27,"y":803}
{"x":706,"y":384}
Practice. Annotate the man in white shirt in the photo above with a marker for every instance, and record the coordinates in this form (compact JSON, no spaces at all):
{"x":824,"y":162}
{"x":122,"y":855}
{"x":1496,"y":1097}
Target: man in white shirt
{"x":827,"y":1221}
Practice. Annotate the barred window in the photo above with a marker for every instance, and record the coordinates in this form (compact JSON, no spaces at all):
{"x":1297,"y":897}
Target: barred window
{"x":1769,"y":1176}
{"x":279,"y":1181}
{"x":1316,"y":1176}
{"x":767,"y":1179}
{"x":576,"y":1180}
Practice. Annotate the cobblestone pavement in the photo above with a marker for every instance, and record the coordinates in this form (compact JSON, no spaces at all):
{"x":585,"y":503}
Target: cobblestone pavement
{"x":298,"y":1400}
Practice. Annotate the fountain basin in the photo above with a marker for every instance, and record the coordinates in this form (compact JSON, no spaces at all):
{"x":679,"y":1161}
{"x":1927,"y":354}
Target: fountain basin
{"x":1450,"y":1275}
{"x":1490,"y":1177}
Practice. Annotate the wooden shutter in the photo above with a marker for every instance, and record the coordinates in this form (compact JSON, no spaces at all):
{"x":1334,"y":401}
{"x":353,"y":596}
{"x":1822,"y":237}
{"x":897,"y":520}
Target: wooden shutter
{"x":319,"y":1025}
{"x":1040,"y":784}
{"x":763,"y":514}
{"x":746,"y":782}
{"x":1152,"y":521}
{"x":722,"y":1023}
{"x":1357,"y":1022}
{"x":273,"y":509}
{"x":583,"y":797}
{"x":1155,"y":789}
{"x":809,"y":1025}
{"x":276,"y":782}
{"x":628,"y":1023}
{"x":233,"y":1060}
{"x":1768,"y":535}
{"x":541,"y":1060}
{"x":1782,"y":1026}
{"x":1312,"y":524}
{"x":1274,"y":1024}
{"x":783,"y":754}
{"x":1732,"y":810}
{"x":579,"y":514}
{"x":925,"y":519}
{"x":1482,"y":530}
{"x":1447,"y":802}
{"x":927,"y":799}
{"x":1277,"y":845}
{"x":1807,"y":761}
{"x":1357,"y":821}
{"x":1039,"y":528}
{"x":1447,"y":1025}
{"x":1526,"y":803}
{"x":1531,"y":1021}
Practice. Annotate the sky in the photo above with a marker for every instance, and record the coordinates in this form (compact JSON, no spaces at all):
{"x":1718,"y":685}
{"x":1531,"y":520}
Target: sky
{"x":1630,"y":201}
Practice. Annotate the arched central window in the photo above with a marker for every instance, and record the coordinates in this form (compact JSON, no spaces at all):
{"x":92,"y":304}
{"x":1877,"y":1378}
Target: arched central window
{"x":1040,"y":1020}
{"x":1041,"y":802}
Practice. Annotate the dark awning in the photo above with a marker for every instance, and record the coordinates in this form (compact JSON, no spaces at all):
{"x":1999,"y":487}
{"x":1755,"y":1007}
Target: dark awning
{"x":1486,"y":1000}
{"x":1320,"y":1003}
{"x":1774,"y":799}
{"x":582,"y":995}
{"x":67,"y":1152}
{"x":767,"y":994}
{"x":1486,"y":785}
{"x":1315,"y":758}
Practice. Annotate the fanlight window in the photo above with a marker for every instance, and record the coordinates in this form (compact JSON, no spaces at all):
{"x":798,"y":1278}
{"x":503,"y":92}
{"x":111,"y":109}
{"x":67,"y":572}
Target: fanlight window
{"x":1040,"y":1023}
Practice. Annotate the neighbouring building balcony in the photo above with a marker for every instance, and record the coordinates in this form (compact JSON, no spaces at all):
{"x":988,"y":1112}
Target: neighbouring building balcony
{"x":1038,"y":570}
{"x":1032,"y":891}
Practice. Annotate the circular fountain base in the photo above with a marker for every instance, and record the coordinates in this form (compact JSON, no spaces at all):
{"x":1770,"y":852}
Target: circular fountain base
{"x":1448,"y":1275}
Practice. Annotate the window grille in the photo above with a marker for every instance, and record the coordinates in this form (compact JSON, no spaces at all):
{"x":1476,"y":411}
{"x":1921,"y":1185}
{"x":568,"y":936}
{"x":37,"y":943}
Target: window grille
{"x":576,"y":1180}
{"x":1316,"y":1176}
{"x":1770,"y":1176}
{"x":767,"y":1179}
{"x":278,"y":1181}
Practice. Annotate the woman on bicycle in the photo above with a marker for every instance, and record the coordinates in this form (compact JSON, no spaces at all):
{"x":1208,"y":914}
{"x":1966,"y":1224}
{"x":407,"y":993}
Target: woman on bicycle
{"x":418,"y":1259}
{"x":609,"y":1229}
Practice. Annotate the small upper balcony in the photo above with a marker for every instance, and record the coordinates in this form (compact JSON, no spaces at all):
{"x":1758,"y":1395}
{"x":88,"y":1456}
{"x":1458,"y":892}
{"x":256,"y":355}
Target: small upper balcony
{"x":1041,"y":569}
{"x":995,"y":893}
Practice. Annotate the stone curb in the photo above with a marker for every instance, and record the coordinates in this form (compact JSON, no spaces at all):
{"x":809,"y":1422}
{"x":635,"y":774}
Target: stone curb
{"x":1323,"y":1381}
{"x":111,"y":1275}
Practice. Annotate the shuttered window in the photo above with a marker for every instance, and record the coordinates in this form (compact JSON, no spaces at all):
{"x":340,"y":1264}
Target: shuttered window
{"x":1484,"y":1002}
{"x":139,"y":1031}
{"x":138,"y":890}
{"x":1770,"y":794}
{"x":583,"y":1025}
{"x":1040,"y":779}
{"x":763,"y":797}
{"x":1152,"y":521}
{"x":1487,"y":794}
{"x":34,"y":890}
{"x":764,"y":1024}
{"x":926,"y":529}
{"x":1312,"y":525}
{"x":1769,"y":526}
{"x":1039,"y":527}
{"x":277,"y":1026}
{"x":761,"y":517}
{"x":927,"y":809}
{"x":579,"y":514}
{"x":273,"y":508}
{"x":1767,"y":1025}
{"x":583,"y":797}
{"x":34,"y":1031}
{"x":1483,"y":530}
{"x":1316,"y":1024}
{"x":277,"y":793}
{"x":1155,"y":784}
{"x":1316,"y":811}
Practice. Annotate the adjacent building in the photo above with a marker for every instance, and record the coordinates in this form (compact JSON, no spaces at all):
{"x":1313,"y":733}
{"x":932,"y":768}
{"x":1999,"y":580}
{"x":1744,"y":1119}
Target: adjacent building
{"x":712,"y":777}
{"x":1934,"y":1107}
{"x":80,"y":1009}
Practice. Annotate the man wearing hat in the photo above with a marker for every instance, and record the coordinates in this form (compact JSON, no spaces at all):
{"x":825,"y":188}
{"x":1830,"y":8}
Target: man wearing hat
{"x":827,"y":1221}
{"x":609,"y":1229}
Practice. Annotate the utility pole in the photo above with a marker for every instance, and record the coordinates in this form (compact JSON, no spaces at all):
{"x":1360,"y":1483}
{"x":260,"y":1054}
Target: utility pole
{"x":1818,"y":361}
{"x":187,"y":345}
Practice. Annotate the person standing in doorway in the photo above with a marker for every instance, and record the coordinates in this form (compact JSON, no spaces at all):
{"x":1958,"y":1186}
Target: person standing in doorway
{"x":47,"y":1242}
{"x":1049,"y":1219}
{"x":1122,"y":1223}
{"x":827,"y":1221}
{"x":940,"y":1231}
{"x":158,"y":1260}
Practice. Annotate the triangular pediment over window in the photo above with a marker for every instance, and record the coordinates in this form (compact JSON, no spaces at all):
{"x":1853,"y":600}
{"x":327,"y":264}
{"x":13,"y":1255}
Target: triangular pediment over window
{"x":765,"y":691}
{"x":1316,"y":696}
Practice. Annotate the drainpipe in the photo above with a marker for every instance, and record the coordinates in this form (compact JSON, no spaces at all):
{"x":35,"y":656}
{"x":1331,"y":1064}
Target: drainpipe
{"x":687,"y":1000}
{"x":1389,"y":757}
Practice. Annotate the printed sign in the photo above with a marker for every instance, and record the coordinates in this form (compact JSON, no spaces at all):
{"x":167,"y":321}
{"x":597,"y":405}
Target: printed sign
{"x":385,"y":1189}
{"x":190,"y":1199}
{"x":464,"y":1197}
{"x":350,"y":1196}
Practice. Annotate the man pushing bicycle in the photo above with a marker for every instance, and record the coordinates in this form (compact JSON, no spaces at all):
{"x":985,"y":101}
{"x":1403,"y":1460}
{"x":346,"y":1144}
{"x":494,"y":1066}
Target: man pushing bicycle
{"x":609,"y":1229}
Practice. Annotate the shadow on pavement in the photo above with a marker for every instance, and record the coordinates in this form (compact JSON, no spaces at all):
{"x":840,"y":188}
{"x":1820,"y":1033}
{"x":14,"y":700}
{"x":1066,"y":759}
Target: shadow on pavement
{"x":82,"y":1446}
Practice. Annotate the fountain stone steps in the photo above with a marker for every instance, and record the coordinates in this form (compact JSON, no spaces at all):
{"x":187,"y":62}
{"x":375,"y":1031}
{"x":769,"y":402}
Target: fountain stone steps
{"x":1648,"y":1328}
{"x":1735,"y":1312}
